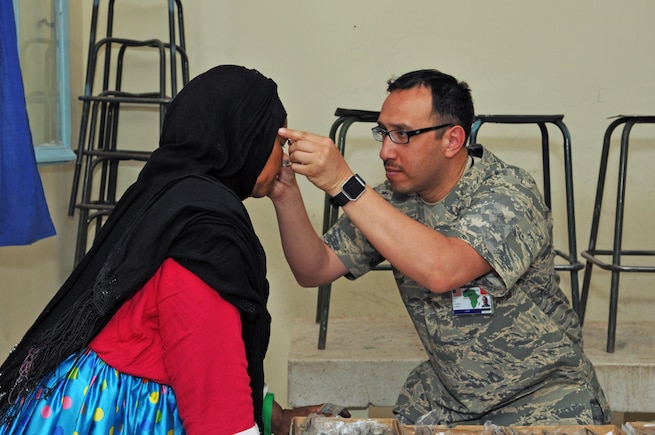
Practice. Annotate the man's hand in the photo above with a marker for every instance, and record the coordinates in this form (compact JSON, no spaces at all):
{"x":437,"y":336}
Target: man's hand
{"x":317,"y":158}
{"x":281,"y":420}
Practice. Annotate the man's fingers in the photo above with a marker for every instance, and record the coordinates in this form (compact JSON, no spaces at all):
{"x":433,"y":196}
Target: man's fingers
{"x":293,"y":135}
{"x":297,"y":135}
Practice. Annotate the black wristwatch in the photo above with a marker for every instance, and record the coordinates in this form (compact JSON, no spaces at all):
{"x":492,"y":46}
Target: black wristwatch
{"x":351,"y":190}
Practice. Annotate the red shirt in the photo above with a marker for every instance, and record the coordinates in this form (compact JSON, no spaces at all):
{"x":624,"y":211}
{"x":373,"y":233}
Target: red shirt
{"x":178,"y":331}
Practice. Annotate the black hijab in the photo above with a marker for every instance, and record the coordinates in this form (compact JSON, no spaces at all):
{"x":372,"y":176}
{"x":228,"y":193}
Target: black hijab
{"x":187,"y":202}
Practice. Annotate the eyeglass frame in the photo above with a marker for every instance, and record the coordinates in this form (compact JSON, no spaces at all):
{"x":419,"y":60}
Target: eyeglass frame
{"x":383,"y":132}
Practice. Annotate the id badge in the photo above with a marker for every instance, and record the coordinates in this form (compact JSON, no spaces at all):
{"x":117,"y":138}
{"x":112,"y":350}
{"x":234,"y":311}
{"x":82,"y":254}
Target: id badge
{"x":472,"y":300}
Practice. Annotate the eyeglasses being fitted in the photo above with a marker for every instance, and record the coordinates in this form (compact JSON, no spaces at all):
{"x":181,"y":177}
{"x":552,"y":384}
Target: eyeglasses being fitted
{"x":402,"y":136}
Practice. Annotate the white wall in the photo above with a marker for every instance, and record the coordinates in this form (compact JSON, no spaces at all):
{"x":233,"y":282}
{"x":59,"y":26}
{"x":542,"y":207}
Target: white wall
{"x":588,"y":60}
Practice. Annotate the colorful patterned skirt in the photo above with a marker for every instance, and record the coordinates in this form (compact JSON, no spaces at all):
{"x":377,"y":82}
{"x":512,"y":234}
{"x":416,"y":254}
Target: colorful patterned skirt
{"x":89,"y":397}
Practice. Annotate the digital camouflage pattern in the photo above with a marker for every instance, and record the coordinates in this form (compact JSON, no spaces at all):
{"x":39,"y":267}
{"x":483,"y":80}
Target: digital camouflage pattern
{"x":523,"y":364}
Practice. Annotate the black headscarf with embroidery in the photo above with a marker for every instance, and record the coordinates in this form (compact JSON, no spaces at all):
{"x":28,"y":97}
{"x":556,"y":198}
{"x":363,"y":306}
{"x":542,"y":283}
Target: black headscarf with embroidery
{"x":217,"y":136}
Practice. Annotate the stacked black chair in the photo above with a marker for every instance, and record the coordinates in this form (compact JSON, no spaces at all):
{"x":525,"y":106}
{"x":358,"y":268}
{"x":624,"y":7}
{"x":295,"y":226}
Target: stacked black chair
{"x":98,"y":153}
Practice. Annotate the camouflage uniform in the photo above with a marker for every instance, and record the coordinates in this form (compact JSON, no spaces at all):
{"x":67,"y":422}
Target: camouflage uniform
{"x":524,"y":363}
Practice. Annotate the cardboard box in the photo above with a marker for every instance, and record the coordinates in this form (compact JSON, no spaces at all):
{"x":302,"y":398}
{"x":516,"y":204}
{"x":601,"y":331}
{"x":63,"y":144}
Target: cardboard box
{"x":639,"y":428}
{"x":514,"y":430}
{"x":321,"y":425}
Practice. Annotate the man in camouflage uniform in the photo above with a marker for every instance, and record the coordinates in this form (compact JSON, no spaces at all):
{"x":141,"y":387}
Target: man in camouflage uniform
{"x":459,"y":226}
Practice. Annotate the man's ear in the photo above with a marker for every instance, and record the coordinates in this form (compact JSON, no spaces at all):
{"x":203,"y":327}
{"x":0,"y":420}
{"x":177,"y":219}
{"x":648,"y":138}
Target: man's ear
{"x":455,"y":138}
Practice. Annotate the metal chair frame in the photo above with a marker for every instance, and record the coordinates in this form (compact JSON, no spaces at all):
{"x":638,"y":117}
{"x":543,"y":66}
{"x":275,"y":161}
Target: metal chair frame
{"x":100,"y":114}
{"x":338,"y":131}
{"x":593,"y":253}
{"x":573,"y":265}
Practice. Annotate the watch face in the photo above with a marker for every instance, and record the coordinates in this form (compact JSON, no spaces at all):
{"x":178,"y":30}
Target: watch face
{"x":354,"y":187}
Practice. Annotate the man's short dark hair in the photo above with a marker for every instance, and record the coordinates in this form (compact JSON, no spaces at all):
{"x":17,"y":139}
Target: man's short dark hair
{"x":451,"y":99}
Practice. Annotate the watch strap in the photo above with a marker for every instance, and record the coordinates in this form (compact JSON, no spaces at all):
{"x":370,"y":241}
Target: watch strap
{"x":339,"y":200}
{"x":351,"y":190}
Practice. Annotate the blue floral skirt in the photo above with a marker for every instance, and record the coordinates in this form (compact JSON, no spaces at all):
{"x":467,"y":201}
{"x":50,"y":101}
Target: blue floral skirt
{"x":86,"y":396}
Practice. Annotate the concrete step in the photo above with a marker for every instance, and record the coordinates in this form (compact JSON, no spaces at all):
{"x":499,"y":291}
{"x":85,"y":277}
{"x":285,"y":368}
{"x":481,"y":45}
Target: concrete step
{"x":366,"y":361}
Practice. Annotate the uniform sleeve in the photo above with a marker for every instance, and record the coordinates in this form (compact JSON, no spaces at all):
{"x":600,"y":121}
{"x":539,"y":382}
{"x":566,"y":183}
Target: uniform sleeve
{"x":204,"y":355}
{"x":350,"y":245}
{"x":508,"y":225}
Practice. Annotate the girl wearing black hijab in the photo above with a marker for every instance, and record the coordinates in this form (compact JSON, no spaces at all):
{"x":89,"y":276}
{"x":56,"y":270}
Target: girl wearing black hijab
{"x":163,"y":326}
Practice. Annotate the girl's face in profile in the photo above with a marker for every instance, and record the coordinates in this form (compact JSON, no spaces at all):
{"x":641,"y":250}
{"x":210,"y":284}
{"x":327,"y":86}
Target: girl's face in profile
{"x":268,"y":175}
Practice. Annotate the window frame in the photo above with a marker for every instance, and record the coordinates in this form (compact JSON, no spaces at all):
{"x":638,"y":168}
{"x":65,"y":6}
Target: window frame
{"x":60,"y":151}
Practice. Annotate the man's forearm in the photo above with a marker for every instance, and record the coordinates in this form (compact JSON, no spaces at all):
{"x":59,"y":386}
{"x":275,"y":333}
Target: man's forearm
{"x":435,"y":261}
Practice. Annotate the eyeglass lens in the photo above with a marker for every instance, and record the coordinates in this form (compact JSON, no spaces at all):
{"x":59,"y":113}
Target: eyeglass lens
{"x":397,"y":136}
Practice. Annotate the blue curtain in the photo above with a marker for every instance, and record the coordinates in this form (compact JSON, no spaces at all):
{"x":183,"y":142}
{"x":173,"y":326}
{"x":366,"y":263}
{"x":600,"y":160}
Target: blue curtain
{"x":24,"y":216}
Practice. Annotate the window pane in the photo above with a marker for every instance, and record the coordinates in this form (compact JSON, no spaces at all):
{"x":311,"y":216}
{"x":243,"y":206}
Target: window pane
{"x":43,"y":50}
{"x":37,"y":58}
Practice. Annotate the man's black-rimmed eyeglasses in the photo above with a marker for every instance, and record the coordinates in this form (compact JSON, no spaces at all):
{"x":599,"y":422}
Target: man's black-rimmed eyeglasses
{"x":402,"y":136}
